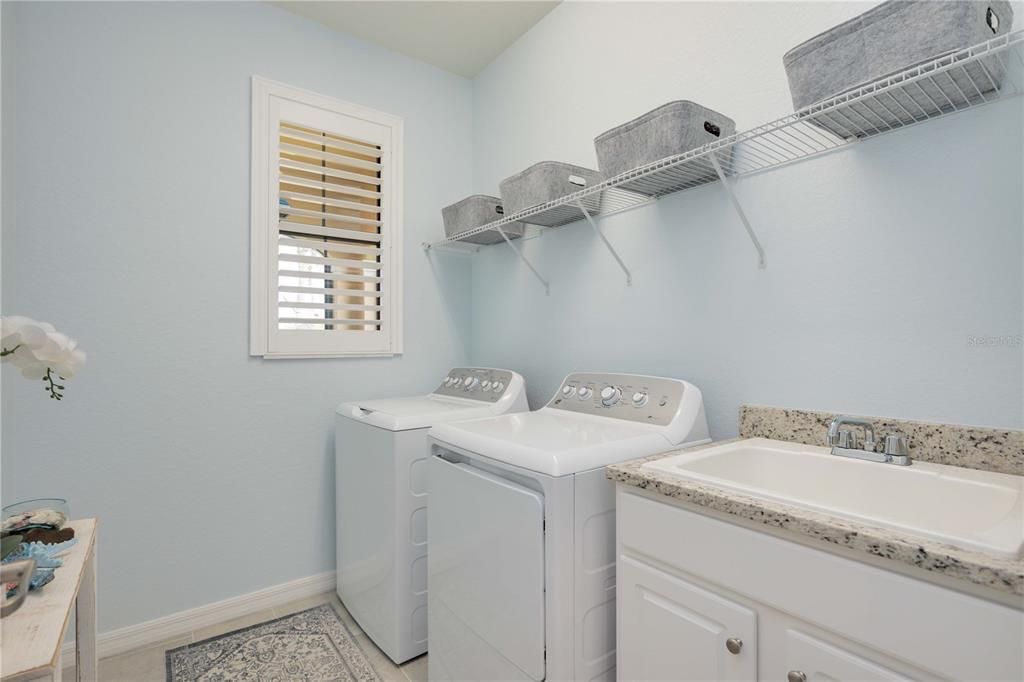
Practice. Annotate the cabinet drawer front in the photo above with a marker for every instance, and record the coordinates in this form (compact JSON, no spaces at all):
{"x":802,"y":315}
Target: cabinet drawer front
{"x":671,"y":629}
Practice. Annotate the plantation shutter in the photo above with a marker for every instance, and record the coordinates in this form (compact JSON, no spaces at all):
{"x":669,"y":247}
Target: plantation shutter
{"x":330,"y":233}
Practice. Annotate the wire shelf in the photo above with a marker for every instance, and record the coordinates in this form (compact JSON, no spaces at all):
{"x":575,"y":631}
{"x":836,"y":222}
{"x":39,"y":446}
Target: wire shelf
{"x":952,"y":83}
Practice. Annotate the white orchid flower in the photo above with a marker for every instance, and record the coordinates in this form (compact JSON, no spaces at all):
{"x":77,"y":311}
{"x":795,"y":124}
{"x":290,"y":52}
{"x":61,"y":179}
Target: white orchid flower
{"x":39,"y":351}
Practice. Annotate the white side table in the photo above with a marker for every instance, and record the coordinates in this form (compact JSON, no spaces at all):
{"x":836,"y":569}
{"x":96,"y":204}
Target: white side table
{"x":31,"y":637}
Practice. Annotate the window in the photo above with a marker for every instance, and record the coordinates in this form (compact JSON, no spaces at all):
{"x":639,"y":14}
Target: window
{"x":326,"y":226}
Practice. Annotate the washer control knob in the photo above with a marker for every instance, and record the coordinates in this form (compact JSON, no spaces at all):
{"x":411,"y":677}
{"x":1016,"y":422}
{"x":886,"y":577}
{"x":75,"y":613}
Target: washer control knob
{"x":639,"y":398}
{"x":471,"y":383}
{"x":485,"y":384}
{"x":499,"y":386}
{"x":568,"y":391}
{"x":456,"y":382}
{"x":584,"y":393}
{"x":447,"y":381}
{"x":610,"y":395}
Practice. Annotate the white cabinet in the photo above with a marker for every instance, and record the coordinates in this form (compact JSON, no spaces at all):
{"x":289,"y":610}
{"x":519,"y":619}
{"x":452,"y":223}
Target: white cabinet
{"x":671,"y":629}
{"x":704,"y":598}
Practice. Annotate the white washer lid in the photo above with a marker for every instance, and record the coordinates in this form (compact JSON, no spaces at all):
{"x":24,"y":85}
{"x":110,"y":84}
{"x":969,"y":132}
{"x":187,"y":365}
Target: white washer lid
{"x":419,"y":412}
{"x":554,"y":442}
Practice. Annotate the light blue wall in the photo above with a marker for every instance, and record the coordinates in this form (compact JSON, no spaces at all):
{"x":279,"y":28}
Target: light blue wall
{"x":883,"y":259}
{"x":126,"y":158}
{"x":126,"y":147}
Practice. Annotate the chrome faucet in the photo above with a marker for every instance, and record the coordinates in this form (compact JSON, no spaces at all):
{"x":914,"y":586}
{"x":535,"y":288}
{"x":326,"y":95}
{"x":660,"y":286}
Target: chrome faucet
{"x":844,"y":442}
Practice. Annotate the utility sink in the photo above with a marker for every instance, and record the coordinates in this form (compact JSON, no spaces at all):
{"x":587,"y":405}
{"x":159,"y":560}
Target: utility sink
{"x":972,"y":510}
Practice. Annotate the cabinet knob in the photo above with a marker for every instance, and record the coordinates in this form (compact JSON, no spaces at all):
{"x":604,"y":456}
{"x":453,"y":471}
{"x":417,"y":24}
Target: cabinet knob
{"x":734,"y":644}
{"x":796,"y":676}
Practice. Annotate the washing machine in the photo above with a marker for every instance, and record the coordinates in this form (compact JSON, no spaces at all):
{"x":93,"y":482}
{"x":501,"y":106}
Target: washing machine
{"x":522,"y":527}
{"x":381,"y":454}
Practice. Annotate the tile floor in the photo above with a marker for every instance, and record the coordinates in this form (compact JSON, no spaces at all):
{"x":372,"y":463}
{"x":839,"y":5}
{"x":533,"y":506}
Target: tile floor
{"x":147,"y":665}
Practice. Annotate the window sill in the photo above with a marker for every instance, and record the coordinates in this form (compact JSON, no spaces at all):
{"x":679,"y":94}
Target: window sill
{"x":302,"y":356}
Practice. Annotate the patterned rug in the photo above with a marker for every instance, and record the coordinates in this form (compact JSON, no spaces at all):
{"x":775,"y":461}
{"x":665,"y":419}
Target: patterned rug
{"x":312,"y":645}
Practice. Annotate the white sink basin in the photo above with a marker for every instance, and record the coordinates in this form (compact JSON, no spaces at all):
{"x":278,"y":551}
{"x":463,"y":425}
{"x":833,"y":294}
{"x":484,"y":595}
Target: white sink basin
{"x":974,"y":510}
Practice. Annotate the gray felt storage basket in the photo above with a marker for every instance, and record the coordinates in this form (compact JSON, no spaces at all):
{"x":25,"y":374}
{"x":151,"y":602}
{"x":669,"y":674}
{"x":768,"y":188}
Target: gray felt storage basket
{"x":546,"y":181}
{"x":474,"y":211}
{"x":890,"y":38}
{"x":669,"y":130}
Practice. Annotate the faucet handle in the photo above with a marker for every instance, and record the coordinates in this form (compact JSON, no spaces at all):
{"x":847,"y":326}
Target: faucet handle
{"x":848,"y":439}
{"x":896,"y":445}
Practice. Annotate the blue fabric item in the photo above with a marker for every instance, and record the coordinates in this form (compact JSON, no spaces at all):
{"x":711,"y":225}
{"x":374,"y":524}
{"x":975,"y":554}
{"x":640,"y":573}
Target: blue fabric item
{"x":46,"y":559}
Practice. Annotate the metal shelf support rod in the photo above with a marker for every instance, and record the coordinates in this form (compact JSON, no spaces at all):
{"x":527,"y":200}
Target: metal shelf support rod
{"x":458,"y":247}
{"x":607,"y":244}
{"x":727,"y":184}
{"x":547,"y":287}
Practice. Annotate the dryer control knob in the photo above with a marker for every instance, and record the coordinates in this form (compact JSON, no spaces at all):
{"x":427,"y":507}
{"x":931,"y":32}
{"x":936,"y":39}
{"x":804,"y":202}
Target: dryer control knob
{"x":457,"y":381}
{"x":610,"y":395}
{"x":639,"y":398}
{"x":471,"y":383}
{"x":584,"y":393}
{"x":486,"y":384}
{"x":568,"y":391}
{"x":498,"y":387}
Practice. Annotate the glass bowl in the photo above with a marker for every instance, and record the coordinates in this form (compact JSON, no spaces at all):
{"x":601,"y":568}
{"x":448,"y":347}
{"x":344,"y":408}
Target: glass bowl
{"x":43,"y":512}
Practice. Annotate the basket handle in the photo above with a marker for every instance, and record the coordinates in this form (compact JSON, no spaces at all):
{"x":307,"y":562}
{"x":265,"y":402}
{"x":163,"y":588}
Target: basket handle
{"x":992,"y":19}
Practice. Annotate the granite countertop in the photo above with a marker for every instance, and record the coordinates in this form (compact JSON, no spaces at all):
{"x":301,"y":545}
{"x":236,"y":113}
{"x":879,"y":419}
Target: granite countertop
{"x":971,"y":447}
{"x":986,"y":571}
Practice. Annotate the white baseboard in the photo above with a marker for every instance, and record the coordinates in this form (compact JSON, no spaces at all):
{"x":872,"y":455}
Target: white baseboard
{"x":182,"y":623}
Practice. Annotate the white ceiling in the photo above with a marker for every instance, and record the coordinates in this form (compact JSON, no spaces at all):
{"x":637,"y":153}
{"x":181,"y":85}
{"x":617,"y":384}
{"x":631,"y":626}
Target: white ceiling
{"x":462,"y":37}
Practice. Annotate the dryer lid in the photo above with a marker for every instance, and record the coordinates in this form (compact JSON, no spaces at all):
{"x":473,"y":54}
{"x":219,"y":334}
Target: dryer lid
{"x":554,"y":442}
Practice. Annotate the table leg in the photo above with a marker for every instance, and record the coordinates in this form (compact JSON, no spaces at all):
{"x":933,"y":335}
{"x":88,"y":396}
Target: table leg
{"x":85,"y":623}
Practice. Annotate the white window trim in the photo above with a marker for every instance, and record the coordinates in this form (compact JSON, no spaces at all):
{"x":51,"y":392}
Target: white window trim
{"x":261,"y":286}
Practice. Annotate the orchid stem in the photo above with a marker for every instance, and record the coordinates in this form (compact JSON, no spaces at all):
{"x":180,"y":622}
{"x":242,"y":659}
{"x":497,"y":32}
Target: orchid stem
{"x":4,"y":352}
{"x":56,"y":390}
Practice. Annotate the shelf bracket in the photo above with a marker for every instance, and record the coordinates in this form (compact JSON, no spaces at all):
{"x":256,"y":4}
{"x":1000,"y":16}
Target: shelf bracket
{"x":462,"y":248}
{"x":607,"y":244}
{"x":727,"y":184}
{"x":547,"y":287}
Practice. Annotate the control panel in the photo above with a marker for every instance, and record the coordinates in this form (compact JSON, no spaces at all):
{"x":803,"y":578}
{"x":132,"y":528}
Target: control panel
{"x":648,"y":400}
{"x":478,"y":383}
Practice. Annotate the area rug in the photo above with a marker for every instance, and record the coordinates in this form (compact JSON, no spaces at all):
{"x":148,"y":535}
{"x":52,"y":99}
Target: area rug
{"x":312,"y":645}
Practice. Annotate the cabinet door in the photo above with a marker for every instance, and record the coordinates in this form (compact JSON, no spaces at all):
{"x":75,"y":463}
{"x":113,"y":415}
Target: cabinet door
{"x":671,"y":629}
{"x":816,"y":660}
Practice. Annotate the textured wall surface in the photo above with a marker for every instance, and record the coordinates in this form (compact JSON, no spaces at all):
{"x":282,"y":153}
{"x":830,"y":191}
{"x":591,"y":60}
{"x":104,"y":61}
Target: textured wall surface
{"x":126,"y":149}
{"x":126,"y":223}
{"x":884,"y":259}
